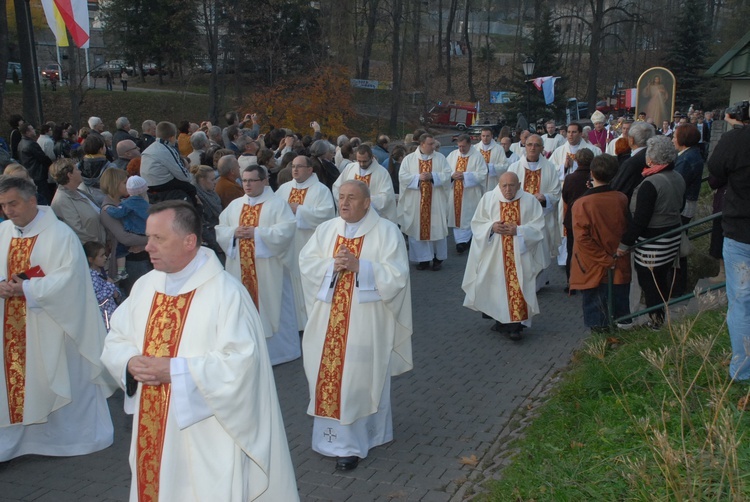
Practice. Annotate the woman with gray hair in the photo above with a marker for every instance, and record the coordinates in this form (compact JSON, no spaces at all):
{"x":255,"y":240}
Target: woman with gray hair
{"x":321,"y":155}
{"x":656,"y":206}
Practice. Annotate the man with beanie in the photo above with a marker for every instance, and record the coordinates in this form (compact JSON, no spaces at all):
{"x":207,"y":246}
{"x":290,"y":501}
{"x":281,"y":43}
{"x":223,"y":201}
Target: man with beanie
{"x":133,"y":213}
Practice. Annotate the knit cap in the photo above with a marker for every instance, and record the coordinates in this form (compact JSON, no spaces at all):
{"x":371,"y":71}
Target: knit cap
{"x":136,"y":185}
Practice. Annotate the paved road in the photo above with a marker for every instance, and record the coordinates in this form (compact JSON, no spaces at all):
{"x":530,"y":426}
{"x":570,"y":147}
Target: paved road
{"x":466,"y":384}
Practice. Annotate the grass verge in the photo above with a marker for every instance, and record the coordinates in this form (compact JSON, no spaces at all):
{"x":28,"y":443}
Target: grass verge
{"x":641,"y":416}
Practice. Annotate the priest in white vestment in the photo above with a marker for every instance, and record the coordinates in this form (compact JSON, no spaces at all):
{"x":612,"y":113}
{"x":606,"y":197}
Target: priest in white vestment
{"x":312,"y":204}
{"x":538,"y":176}
{"x":54,"y":388}
{"x":256,"y":232}
{"x":189,"y":350}
{"x":520,"y":147}
{"x":494,"y":156}
{"x":564,"y":160}
{"x":469,"y":172}
{"x":355,"y":274}
{"x":376,"y":177}
{"x":552,"y":139}
{"x":500,"y":276}
{"x":424,"y":181}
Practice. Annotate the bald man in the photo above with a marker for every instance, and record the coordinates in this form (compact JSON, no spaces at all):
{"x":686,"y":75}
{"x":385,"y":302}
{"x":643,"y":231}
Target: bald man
{"x":504,"y":259}
{"x":127,"y":150}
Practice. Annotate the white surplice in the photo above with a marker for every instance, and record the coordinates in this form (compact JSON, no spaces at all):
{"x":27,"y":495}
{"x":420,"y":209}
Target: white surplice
{"x":65,"y":408}
{"x":380,"y":324}
{"x":224,"y":437}
{"x":550,"y":188}
{"x":484,"y":280}
{"x":382,"y":197}
{"x":409,"y":195}
{"x":317,"y":208}
{"x":497,"y":164}
{"x":475,"y":178}
{"x":274,"y":247}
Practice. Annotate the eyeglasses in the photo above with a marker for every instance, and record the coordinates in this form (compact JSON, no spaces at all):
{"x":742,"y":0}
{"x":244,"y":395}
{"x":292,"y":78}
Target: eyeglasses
{"x":251,"y":181}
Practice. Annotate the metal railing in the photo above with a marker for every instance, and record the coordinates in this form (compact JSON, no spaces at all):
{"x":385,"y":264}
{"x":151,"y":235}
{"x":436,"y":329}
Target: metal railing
{"x":610,"y":301}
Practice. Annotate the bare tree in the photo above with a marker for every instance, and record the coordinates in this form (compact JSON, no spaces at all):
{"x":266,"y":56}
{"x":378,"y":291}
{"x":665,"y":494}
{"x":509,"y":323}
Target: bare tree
{"x":371,"y":7}
{"x":601,"y":20}
{"x":396,"y":49}
{"x":449,"y":32}
{"x":4,"y":43}
{"x":32,"y":106}
{"x":469,"y":54}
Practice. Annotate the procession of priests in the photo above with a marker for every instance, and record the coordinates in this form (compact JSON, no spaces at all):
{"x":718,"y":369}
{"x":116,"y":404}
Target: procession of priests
{"x":311,"y":272}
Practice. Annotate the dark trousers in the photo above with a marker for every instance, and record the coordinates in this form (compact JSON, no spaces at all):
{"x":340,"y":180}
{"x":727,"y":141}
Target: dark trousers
{"x":657,"y":286}
{"x":595,"y":311}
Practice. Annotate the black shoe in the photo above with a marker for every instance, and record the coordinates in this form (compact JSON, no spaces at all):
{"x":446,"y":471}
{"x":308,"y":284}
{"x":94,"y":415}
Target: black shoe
{"x":485,"y":316}
{"x":515,"y":335}
{"x":437,"y":265}
{"x":346,"y":463}
{"x":461,"y":247}
{"x":423,"y":265}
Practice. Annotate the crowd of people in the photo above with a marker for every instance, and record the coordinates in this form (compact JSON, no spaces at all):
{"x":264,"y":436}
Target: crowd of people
{"x":195,"y":236}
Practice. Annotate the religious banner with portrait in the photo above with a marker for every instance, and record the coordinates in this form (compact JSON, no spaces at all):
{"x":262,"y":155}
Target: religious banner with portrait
{"x":655,"y":95}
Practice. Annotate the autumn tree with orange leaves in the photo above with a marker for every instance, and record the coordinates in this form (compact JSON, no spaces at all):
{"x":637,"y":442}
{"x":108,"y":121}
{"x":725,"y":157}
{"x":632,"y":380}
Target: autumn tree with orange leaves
{"x":323,"y":95}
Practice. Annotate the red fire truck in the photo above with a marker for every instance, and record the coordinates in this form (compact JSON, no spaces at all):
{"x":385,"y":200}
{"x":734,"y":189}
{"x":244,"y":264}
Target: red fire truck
{"x":458,"y":114}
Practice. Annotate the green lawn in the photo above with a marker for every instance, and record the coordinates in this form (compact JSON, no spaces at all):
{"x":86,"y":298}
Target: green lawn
{"x":639,"y":416}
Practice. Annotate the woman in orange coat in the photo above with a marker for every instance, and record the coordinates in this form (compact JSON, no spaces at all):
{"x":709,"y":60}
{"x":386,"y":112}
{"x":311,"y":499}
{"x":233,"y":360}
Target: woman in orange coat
{"x":600,"y":217}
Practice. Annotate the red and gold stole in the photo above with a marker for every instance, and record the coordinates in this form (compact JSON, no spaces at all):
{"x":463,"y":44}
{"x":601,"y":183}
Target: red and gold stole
{"x":364,"y":179}
{"x":486,"y":154}
{"x":425,"y":202}
{"x":14,"y":325}
{"x":458,"y":188}
{"x":510,"y":212}
{"x":532,"y":181}
{"x":297,"y":196}
{"x":328,"y":387}
{"x":166,"y":321}
{"x":249,"y":217}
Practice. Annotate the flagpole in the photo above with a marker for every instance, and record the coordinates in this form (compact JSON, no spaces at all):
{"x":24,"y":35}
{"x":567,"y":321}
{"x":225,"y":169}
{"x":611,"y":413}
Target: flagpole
{"x":59,"y":62}
{"x":88,"y":69}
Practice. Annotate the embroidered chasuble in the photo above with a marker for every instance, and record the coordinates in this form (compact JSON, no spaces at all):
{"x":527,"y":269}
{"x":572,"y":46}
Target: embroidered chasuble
{"x":364,"y":179}
{"x":532,"y":181}
{"x":166,"y":321}
{"x":510,"y":212}
{"x":486,"y":154}
{"x":425,"y":202}
{"x":250,"y":217}
{"x":458,"y":188}
{"x":331,"y":371}
{"x":14,"y":342}
{"x":297,"y":196}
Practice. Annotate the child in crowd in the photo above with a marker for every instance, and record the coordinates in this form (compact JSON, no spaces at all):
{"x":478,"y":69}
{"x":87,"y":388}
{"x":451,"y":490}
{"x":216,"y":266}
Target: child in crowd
{"x":105,"y":289}
{"x":133,"y":213}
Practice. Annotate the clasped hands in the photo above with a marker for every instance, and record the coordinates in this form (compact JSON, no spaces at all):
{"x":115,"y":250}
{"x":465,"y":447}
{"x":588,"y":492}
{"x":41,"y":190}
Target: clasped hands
{"x":245,"y":233}
{"x":504,"y":228}
{"x":13,"y":287}
{"x":345,"y":260}
{"x":150,"y":370}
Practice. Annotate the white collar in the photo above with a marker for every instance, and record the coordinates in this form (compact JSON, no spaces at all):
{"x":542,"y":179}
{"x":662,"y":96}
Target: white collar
{"x":30,"y":226}
{"x":176,"y":280}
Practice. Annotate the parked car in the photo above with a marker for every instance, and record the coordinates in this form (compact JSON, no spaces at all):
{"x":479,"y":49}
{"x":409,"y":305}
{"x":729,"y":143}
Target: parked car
{"x":51,"y":72}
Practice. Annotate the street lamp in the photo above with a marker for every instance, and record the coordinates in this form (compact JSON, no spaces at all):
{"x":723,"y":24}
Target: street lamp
{"x":528,"y":71}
